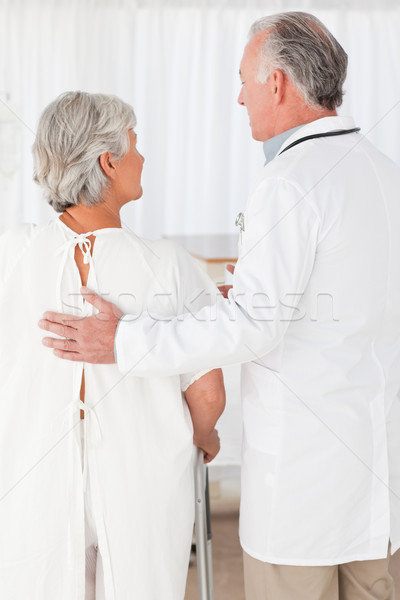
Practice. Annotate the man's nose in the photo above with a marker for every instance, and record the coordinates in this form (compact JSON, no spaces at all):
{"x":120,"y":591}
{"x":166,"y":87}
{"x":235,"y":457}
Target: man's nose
{"x":240,"y":97}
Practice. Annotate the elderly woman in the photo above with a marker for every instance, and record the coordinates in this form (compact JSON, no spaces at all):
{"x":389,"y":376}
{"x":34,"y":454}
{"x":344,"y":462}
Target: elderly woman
{"x":96,"y":483}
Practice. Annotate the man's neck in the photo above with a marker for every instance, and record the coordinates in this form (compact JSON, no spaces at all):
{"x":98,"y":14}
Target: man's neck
{"x":272,"y":144}
{"x":295,"y":118}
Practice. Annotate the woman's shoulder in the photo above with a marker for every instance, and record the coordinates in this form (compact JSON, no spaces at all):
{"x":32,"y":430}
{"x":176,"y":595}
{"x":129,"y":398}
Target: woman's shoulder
{"x":18,"y":233}
{"x":170,"y":262}
{"x":13,"y":244}
{"x":161,"y":254}
{"x":16,"y":242}
{"x":16,"y":239}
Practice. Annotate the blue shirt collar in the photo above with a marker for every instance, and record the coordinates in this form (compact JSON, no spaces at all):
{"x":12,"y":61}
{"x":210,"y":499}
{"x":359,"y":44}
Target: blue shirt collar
{"x":272,"y":145}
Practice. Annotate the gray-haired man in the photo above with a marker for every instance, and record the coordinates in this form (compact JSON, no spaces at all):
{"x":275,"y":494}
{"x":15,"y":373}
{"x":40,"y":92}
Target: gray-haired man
{"x":314,"y":314}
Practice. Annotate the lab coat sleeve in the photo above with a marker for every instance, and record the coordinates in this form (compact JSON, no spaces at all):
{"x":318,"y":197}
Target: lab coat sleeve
{"x":277,"y":255}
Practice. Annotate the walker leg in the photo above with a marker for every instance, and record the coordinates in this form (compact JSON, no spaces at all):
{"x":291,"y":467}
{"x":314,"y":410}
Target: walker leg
{"x":209,"y":538}
{"x":203,"y":531}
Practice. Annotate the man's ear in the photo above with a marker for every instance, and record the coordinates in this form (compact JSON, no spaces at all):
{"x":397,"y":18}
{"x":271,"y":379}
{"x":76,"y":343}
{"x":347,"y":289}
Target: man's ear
{"x":107,"y":165}
{"x":277,"y":83}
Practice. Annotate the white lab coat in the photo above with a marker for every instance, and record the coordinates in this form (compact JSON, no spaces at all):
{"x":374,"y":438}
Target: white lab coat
{"x":138,"y":431}
{"x":315,"y":315}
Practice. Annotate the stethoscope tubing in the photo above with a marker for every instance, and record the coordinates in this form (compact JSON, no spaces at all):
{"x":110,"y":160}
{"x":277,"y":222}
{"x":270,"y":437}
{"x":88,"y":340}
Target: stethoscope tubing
{"x":320,"y":135}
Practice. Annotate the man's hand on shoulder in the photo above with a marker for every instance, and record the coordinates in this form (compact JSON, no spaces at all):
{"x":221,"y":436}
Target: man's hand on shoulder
{"x":88,"y":339}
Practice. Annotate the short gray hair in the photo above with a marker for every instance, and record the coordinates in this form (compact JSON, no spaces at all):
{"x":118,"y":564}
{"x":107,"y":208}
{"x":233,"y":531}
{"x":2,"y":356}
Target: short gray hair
{"x":301,"y":46}
{"x":73,"y":131}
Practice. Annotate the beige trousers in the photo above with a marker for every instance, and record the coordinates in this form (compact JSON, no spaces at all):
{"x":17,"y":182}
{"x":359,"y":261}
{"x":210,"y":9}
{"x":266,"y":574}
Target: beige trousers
{"x":359,"y":580}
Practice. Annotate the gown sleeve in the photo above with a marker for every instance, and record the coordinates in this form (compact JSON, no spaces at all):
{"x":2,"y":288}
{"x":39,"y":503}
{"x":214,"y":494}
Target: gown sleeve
{"x":195,"y":291}
{"x":13,"y":244}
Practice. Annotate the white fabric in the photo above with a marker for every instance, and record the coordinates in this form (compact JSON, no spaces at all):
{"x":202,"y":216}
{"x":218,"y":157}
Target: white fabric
{"x":315,"y":312}
{"x":138,"y":432}
{"x":94,"y":576}
{"x":177,"y":63}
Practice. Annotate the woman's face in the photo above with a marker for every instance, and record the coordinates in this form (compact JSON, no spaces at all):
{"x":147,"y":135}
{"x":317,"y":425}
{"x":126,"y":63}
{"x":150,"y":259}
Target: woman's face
{"x":129,"y":171}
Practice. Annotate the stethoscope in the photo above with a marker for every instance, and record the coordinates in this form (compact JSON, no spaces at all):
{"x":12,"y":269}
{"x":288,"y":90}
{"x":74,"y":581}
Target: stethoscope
{"x":314,"y":136}
{"x":239,"y":222}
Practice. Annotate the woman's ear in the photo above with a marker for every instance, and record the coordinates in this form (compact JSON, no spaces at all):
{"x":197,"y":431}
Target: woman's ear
{"x":107,"y":165}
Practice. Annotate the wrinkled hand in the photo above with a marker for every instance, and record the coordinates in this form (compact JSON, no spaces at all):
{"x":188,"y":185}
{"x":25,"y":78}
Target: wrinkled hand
{"x":224,"y":289}
{"x":88,"y":339}
{"x":210,"y":446}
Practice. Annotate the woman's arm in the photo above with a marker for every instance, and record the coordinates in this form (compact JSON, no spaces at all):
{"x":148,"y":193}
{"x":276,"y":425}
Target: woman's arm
{"x":206,"y":401}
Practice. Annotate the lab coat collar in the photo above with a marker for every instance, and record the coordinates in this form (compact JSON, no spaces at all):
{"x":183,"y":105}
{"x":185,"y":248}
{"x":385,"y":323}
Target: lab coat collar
{"x":272,"y":146}
{"x":318,"y":126}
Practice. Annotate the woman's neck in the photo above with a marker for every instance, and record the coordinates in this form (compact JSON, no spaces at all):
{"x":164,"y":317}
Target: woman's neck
{"x":82,"y":218}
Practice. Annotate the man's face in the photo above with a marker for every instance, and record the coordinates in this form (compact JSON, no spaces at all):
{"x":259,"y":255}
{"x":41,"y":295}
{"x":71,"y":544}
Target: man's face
{"x":256,"y":97}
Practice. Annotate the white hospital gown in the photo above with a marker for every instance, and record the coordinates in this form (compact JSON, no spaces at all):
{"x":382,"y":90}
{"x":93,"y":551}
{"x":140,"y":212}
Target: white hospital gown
{"x":138,"y":442}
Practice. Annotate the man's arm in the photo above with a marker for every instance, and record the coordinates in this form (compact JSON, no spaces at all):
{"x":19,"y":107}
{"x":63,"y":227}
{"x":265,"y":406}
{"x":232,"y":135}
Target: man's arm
{"x":276,"y":258}
{"x":206,"y":402}
{"x":275,"y":262}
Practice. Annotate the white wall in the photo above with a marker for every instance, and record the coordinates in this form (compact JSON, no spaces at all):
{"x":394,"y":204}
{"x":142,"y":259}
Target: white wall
{"x":177,"y":64}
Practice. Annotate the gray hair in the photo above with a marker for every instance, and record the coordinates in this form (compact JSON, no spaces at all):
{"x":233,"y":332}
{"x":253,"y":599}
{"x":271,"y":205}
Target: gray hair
{"x":301,"y":46}
{"x":73,"y":131}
